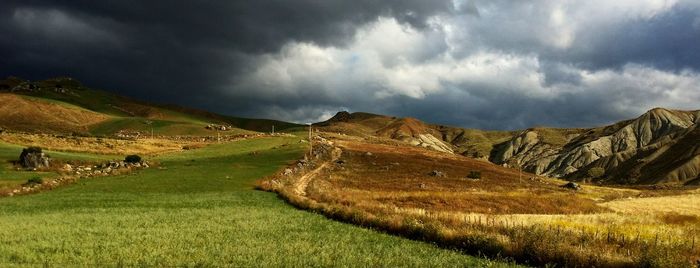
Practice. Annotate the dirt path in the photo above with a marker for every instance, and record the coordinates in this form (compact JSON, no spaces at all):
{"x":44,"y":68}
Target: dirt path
{"x":302,"y":183}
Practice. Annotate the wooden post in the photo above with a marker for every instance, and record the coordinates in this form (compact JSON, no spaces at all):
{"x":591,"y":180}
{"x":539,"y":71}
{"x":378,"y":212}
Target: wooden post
{"x":520,"y":173}
{"x":311,"y":143}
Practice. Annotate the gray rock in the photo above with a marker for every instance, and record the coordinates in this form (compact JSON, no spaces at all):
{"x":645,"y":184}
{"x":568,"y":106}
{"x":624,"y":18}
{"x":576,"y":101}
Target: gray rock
{"x":437,"y":173}
{"x":33,"y":158}
{"x":572,"y":185}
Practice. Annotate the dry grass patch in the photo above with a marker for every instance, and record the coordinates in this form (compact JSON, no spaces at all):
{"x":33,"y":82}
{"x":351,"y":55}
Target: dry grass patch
{"x":28,"y":113}
{"x":532,"y":220}
{"x":97,"y":145}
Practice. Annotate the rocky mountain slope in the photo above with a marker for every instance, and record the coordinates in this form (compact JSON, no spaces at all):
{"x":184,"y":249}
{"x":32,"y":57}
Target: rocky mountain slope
{"x":408,"y":130}
{"x":660,"y":147}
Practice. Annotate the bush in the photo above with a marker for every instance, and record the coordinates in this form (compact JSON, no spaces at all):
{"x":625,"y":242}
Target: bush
{"x":132,"y":159}
{"x":34,"y":181}
{"x":474,"y":175}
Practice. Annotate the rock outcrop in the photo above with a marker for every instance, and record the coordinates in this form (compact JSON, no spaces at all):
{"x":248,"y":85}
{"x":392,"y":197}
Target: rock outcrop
{"x":34,"y":158}
{"x":415,"y":132}
{"x":660,"y":146}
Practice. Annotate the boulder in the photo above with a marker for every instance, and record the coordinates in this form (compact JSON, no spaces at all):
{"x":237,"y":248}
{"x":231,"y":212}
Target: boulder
{"x":572,"y":185}
{"x":33,"y":158}
{"x":437,"y":173}
{"x":287,"y":172}
{"x":67,"y":167}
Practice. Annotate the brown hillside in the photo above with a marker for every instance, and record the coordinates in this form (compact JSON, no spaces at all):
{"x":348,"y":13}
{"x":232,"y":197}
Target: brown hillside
{"x":405,"y":127}
{"x":27,"y":114}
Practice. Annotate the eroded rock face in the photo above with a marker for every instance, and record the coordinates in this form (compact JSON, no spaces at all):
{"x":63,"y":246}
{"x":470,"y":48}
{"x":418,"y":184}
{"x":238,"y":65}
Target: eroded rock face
{"x":416,"y":133}
{"x":661,"y":146}
{"x":33,"y":158}
{"x":429,"y":141}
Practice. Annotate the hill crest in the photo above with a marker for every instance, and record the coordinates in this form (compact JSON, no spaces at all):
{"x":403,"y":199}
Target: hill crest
{"x":634,"y":151}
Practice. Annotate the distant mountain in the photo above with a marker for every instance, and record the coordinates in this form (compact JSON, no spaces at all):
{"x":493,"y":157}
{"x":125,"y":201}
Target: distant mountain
{"x":409,"y":130}
{"x":64,"y":105}
{"x":660,"y":147}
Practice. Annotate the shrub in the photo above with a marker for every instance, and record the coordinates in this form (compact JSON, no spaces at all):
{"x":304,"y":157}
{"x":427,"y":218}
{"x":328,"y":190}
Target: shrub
{"x":132,"y":159}
{"x":34,"y":181}
{"x":474,"y":175}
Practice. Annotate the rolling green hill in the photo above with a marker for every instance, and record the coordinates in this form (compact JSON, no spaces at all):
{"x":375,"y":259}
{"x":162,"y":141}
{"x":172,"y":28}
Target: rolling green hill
{"x":64,"y":105}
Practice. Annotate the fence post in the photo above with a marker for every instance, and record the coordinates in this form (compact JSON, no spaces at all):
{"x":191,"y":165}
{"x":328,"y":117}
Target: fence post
{"x":656,"y":239}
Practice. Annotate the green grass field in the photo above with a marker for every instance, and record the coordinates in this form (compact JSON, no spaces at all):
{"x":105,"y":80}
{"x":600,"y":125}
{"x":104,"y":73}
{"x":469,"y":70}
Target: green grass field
{"x":199,"y":210}
{"x":9,"y":177}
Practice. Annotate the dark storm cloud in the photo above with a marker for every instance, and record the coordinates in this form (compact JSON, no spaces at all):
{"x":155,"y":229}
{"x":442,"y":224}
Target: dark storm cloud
{"x":494,"y":63}
{"x":668,"y":41}
{"x":166,"y":49}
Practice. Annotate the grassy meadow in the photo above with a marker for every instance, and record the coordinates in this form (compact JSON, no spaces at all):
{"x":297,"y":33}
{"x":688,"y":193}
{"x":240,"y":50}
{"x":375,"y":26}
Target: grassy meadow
{"x":197,"y":209}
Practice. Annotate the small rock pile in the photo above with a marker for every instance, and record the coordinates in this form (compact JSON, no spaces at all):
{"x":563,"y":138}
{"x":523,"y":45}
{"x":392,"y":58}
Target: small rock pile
{"x":300,"y":165}
{"x":218,"y":127}
{"x":104,"y":169}
{"x":79,"y":172}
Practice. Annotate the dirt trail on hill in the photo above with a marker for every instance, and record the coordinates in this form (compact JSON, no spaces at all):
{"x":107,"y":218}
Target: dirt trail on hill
{"x":302,"y":183}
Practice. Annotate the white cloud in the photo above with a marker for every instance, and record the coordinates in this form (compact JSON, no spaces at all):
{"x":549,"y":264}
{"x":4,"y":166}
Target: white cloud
{"x":387,"y":60}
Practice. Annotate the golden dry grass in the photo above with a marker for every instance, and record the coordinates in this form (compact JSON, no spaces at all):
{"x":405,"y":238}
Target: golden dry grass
{"x":531,"y":220}
{"x":27,"y":113}
{"x":98,"y":145}
{"x":688,"y":204}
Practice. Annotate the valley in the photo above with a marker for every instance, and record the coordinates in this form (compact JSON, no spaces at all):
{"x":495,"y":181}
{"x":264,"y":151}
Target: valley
{"x":360,"y":189}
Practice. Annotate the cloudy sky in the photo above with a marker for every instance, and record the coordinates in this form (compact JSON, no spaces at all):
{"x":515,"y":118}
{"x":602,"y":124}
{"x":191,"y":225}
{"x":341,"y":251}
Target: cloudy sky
{"x":491,"y":64}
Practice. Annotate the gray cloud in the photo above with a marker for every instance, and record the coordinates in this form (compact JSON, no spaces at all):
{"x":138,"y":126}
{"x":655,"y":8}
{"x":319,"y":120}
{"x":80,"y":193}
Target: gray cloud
{"x":487,"y":64}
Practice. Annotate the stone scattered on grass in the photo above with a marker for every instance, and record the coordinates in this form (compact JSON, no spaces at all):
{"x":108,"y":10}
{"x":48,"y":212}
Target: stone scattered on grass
{"x":572,"y":185}
{"x":437,"y":173}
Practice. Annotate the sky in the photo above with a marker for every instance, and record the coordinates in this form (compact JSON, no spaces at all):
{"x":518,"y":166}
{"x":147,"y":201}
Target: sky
{"x":490,"y":64}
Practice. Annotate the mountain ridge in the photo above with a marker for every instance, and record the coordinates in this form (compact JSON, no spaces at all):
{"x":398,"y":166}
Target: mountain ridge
{"x":658,"y":147}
